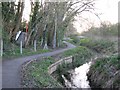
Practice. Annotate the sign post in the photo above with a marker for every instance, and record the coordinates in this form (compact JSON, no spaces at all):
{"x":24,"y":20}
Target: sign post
{"x":21,"y":47}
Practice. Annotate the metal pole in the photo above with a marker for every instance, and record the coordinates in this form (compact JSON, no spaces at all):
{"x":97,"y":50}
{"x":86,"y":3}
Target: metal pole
{"x":21,"y":47}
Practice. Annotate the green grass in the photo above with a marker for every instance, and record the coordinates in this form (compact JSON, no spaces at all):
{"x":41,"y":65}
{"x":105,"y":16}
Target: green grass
{"x":80,"y":55}
{"x":38,"y":71}
{"x":100,"y":46}
{"x":80,"y":50}
{"x":11,"y":50}
{"x":14,"y":51}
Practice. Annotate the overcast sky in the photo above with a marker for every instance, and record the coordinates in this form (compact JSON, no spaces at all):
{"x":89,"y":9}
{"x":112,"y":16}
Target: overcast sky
{"x":107,"y":8}
{"x":109,"y":13}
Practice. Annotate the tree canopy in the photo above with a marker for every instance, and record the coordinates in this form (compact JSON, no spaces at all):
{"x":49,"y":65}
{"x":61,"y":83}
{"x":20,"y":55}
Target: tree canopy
{"x":48,"y":22}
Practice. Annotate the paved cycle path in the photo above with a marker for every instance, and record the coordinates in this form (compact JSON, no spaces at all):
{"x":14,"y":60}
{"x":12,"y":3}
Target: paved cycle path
{"x":11,"y":68}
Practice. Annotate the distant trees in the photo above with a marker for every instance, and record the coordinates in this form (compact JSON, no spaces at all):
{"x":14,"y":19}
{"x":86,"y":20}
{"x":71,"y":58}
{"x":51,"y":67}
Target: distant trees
{"x":48,"y":20}
{"x":105,"y":29}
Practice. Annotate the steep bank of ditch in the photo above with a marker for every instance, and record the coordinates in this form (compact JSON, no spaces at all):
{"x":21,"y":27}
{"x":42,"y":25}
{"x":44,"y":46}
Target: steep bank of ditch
{"x":105,"y":73}
{"x":102,"y":73}
{"x":66,"y":73}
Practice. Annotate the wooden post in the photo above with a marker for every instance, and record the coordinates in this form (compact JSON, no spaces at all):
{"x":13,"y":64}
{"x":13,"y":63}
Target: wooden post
{"x":21,"y":47}
{"x":1,"y":48}
{"x":35,"y":47}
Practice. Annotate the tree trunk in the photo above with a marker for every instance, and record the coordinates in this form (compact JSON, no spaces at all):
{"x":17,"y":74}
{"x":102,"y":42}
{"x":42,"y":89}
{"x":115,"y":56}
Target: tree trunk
{"x":44,"y":43}
{"x":28,"y":39}
{"x":17,"y":20}
{"x":55,"y":32}
{"x":1,"y":48}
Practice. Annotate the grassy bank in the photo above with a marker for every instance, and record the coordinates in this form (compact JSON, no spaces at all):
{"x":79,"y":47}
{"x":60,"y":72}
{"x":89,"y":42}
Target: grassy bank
{"x":101,"y":46}
{"x":11,"y":50}
{"x":80,"y":55}
{"x":36,"y":75}
{"x":105,"y":73}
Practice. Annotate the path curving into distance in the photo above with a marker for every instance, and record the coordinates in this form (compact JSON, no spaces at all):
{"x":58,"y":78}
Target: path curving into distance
{"x":11,"y":68}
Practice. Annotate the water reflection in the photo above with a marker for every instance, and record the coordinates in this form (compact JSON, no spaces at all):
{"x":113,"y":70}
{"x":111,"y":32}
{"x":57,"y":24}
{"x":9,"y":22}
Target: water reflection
{"x":78,"y":77}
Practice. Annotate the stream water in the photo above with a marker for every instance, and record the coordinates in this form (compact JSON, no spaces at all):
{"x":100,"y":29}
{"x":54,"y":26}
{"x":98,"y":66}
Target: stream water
{"x":78,"y":77}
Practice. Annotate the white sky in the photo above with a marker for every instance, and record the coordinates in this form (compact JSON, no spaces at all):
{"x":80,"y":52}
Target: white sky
{"x":109,"y":13}
{"x":27,"y":10}
{"x":108,"y":8}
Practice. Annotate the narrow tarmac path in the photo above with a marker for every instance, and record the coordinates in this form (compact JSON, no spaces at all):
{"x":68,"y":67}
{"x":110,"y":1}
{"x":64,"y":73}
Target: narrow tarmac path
{"x":11,"y":68}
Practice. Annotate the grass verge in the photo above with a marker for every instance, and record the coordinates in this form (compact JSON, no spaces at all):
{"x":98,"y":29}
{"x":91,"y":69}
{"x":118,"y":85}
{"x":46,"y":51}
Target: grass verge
{"x":36,"y":74}
{"x":14,"y":52}
{"x":99,"y":46}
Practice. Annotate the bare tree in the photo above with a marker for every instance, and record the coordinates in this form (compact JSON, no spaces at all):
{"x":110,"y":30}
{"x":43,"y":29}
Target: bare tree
{"x":51,"y":20}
